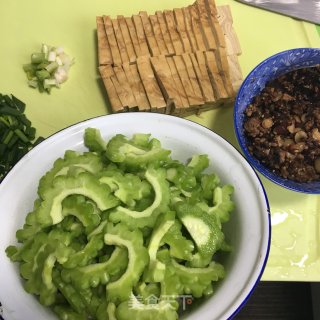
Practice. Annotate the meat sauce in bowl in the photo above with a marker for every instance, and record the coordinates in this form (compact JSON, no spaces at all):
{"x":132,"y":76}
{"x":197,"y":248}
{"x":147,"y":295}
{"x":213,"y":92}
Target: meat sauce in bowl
{"x":282,"y":125}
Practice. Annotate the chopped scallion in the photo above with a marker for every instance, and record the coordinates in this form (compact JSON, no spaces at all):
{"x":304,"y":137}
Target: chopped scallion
{"x":5,"y":109}
{"x":18,"y":103}
{"x":42,"y":74}
{"x":42,"y":65}
{"x":2,"y":150}
{"x":33,"y":83}
{"x":52,"y":66}
{"x":52,"y":56}
{"x":49,"y":83}
{"x":16,"y":133}
{"x":37,"y":57}
{"x":49,"y":64}
{"x":12,"y":141}
{"x":21,"y":135}
{"x":7,"y":137}
{"x":29,"y":67}
{"x":31,"y":75}
{"x":45,"y":50}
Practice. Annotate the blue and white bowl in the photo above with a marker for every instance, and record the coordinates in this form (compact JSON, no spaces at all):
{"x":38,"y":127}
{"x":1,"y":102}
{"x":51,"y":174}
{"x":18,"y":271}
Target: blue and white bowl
{"x":269,"y":69}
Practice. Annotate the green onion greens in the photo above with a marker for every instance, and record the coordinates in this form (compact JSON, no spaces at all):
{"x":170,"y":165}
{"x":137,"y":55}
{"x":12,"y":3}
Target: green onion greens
{"x":16,"y":133}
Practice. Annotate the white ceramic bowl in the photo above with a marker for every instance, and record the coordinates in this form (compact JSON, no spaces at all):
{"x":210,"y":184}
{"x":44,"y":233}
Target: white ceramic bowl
{"x":248,"y":231}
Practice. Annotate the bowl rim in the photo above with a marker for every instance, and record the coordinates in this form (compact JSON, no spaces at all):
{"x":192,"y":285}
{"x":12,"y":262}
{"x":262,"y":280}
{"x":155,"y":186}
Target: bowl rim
{"x":266,"y":248}
{"x":266,"y":257}
{"x":296,"y":186}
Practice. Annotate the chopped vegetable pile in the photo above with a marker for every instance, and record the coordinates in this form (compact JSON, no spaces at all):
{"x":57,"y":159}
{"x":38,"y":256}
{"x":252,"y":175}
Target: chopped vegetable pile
{"x":48,"y":68}
{"x":16,"y":133}
{"x":282,"y":123}
{"x":123,"y":231}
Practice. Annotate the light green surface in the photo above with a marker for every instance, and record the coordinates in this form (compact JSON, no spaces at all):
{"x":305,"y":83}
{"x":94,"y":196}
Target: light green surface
{"x":24,"y":25}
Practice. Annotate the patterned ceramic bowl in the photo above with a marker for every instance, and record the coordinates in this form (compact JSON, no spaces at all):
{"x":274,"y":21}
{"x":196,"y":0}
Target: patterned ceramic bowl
{"x":267,"y":70}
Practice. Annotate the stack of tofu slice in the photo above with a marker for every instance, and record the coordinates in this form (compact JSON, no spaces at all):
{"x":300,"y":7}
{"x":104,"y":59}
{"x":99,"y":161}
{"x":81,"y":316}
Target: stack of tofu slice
{"x":179,"y":61}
